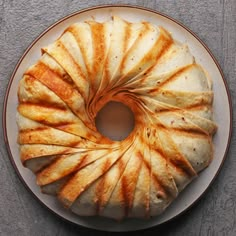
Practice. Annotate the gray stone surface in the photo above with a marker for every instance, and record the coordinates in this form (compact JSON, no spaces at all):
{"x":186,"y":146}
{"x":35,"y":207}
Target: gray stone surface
{"x":214,"y":21}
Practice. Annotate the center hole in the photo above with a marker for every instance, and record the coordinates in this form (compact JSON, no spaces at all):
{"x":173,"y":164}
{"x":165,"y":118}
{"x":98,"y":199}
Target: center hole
{"x":115,"y":121}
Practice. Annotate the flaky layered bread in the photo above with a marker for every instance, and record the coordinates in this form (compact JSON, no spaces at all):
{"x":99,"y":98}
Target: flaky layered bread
{"x":142,"y":66}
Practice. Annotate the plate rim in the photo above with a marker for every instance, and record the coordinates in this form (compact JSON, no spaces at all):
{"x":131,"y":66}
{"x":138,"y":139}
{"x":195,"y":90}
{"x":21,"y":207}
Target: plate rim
{"x":104,"y":6}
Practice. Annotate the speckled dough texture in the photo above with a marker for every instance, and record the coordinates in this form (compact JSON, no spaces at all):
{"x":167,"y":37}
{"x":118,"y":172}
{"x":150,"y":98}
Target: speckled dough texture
{"x":214,"y":21}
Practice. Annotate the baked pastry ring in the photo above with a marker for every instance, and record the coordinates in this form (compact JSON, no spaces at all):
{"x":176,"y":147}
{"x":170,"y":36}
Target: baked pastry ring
{"x":142,"y":66}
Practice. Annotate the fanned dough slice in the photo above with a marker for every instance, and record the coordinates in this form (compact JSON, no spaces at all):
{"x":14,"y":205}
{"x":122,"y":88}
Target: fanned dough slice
{"x":141,"y":199}
{"x":86,"y":176}
{"x":58,"y":83}
{"x":180,"y":99}
{"x":93,"y":201}
{"x":36,"y":156}
{"x":174,"y":59}
{"x":68,"y":164}
{"x":162,"y":188}
{"x":146,"y":50}
{"x":101,"y":35}
{"x":62,"y":119}
{"x":33,"y":132}
{"x":121,"y":36}
{"x":144,"y":67}
{"x":195,"y":147}
{"x":58,"y":51}
{"x":172,"y":117}
{"x":121,"y":199}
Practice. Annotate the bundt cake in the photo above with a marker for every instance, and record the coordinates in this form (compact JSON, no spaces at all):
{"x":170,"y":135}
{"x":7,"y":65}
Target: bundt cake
{"x":141,"y":66}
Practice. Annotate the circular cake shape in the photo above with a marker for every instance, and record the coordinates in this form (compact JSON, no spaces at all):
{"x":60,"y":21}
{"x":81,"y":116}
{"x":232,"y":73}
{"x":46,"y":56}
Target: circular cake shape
{"x":142,"y":66}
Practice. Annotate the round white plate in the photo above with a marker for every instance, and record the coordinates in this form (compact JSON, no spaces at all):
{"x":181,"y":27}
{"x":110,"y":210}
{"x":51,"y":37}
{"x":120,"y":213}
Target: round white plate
{"x":222,"y":105}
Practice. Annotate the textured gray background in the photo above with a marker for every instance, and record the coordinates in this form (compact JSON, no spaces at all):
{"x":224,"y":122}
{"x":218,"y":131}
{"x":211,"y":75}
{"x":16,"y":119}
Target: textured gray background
{"x":214,"y":21}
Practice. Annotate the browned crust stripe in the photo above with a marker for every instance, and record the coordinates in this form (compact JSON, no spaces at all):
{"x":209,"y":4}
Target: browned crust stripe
{"x":127,"y":189}
{"x":49,"y":169}
{"x":53,"y":81}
